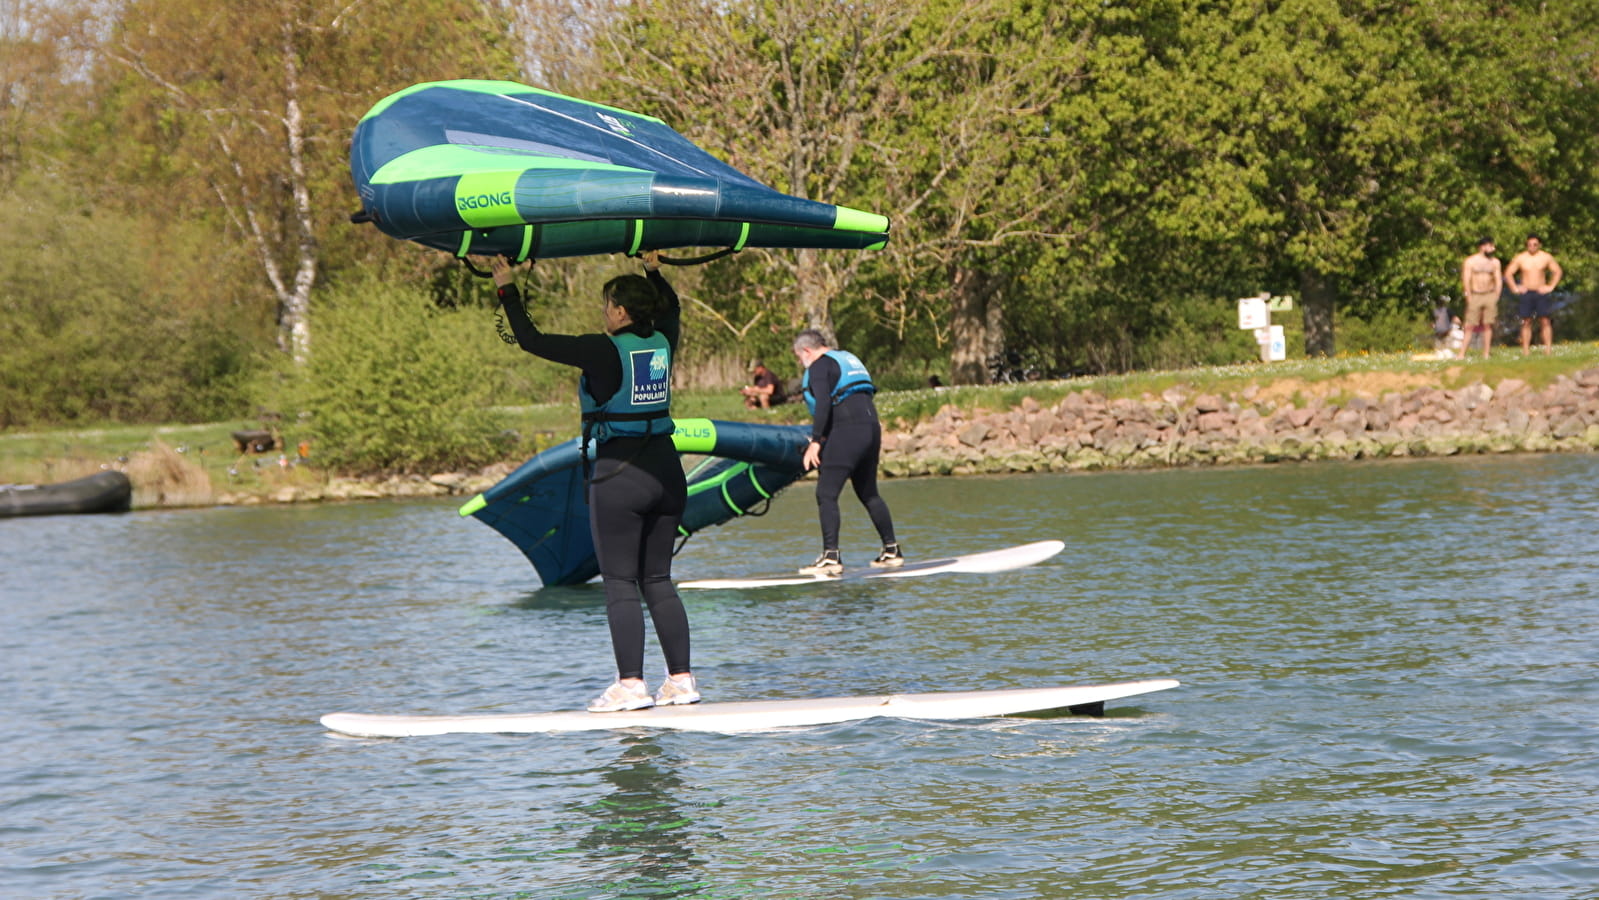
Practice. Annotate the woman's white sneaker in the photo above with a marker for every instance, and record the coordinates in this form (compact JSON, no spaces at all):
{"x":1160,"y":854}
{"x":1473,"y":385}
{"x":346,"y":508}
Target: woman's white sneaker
{"x":675,"y":691}
{"x":620,"y":697}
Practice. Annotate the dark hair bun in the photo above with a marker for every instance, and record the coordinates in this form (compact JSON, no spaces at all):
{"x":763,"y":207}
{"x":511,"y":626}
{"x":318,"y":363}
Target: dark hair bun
{"x":635,"y":294}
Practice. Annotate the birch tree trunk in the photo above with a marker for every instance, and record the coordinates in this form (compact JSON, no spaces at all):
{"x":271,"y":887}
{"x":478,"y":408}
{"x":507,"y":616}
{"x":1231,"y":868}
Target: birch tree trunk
{"x":295,"y":305}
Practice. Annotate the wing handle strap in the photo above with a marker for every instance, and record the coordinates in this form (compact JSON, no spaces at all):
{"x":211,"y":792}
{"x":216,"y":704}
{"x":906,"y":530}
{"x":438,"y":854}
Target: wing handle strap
{"x":743,"y":235}
{"x":474,"y":269}
{"x":697,"y":260}
{"x":532,"y":238}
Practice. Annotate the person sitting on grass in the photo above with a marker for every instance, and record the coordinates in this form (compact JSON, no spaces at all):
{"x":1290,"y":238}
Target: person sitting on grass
{"x":765,"y":392}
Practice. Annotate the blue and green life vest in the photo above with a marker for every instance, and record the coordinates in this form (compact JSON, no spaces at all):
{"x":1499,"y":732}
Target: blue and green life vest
{"x":852,"y":379}
{"x":642,"y":405}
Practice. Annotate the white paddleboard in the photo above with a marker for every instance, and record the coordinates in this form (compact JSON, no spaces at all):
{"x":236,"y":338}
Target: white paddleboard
{"x":1016,"y":557}
{"x":758,"y":715}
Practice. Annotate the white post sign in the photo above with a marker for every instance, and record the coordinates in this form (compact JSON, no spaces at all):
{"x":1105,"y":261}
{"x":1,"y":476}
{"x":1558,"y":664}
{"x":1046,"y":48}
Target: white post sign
{"x":1254,"y":314}
{"x":1275,"y":347}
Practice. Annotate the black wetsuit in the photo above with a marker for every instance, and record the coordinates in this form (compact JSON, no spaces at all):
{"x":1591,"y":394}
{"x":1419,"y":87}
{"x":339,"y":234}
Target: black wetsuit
{"x":636,"y":494}
{"x":852,"y":441}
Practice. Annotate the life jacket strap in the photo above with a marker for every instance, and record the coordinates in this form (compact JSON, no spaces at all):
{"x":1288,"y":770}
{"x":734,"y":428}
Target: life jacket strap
{"x":602,"y":416}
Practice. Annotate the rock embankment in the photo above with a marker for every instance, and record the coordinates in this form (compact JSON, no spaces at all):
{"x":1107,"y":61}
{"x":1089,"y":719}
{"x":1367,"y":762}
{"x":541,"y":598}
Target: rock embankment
{"x":1182,"y":427}
{"x":1087,"y":431}
{"x":448,"y":484}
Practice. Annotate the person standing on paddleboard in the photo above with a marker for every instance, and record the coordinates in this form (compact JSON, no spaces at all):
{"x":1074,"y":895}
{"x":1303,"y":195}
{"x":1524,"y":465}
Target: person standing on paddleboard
{"x":846,"y":441}
{"x":636,"y":489}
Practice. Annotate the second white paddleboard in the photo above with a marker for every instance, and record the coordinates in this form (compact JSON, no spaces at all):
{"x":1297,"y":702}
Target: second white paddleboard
{"x":1009,"y":558}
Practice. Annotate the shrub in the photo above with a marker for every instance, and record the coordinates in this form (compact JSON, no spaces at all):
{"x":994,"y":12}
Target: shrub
{"x":102,"y":324}
{"x":1383,"y":331}
{"x":395,"y":384}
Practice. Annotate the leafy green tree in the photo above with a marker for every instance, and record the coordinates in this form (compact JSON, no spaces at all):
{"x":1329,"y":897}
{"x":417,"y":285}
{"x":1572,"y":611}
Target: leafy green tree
{"x":1513,"y":87}
{"x":1307,"y":135}
{"x":781,"y":91}
{"x":1351,"y":151}
{"x":238,"y":115}
{"x":1029,"y":223}
{"x":936,"y":110}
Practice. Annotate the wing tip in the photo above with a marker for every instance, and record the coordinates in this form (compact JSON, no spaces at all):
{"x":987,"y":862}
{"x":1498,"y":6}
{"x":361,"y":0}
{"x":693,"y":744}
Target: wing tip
{"x":848,"y":219}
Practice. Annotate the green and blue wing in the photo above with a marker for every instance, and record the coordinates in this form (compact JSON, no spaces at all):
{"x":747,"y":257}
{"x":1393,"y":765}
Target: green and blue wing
{"x":542,"y":507}
{"x":495,"y":167}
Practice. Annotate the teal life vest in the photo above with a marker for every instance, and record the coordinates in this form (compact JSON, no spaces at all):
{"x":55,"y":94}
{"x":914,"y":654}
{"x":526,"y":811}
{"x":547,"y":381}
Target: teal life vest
{"x":852,"y":379}
{"x":642,"y":405}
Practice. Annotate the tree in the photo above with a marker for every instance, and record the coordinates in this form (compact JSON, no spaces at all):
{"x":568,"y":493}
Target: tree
{"x":239,"y":113}
{"x":1519,"y":84}
{"x":1028,"y":169}
{"x":96,"y":328}
{"x":781,"y":91}
{"x":1378,"y":140}
{"x":38,"y":76}
{"x":978,"y":126}
{"x":1306,"y":143}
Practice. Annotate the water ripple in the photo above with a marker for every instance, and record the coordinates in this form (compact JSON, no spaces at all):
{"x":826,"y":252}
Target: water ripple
{"x":1389,"y":691}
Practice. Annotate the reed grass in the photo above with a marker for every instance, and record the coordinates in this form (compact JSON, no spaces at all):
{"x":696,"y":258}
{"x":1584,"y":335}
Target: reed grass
{"x":162,"y":476}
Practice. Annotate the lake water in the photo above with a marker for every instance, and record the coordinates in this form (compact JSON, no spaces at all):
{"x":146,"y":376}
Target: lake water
{"x":1390,"y":689}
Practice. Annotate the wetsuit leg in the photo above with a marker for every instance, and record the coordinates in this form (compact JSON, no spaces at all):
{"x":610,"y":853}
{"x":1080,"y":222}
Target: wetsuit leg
{"x":616,"y":522}
{"x":829,"y":485}
{"x":864,"y":480}
{"x":633,"y":517}
{"x":660,"y":536}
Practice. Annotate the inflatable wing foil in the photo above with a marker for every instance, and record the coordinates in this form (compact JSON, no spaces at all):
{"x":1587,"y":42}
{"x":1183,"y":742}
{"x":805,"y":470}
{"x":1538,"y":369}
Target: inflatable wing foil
{"x":542,"y":507}
{"x":499,"y":168}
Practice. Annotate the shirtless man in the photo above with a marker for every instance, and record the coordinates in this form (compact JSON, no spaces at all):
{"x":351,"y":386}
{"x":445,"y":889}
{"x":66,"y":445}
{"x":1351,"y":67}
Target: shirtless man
{"x":1539,"y":276}
{"x":1480,"y":277}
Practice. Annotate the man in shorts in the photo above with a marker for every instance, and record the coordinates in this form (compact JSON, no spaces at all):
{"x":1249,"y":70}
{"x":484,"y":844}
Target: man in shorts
{"x":1533,"y":275}
{"x":1480,"y":277}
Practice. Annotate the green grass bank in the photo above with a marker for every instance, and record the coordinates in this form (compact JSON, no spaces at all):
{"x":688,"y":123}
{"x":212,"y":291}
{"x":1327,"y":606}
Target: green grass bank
{"x":201,"y":463}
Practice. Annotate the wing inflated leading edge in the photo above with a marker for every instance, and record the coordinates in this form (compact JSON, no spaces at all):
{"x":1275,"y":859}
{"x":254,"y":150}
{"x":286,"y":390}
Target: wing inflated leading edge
{"x":495,"y":167}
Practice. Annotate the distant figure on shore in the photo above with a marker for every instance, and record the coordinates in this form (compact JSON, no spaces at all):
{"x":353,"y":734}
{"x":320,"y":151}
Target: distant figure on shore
{"x":766,"y":389}
{"x":1533,"y":275}
{"x":1455,"y":342}
{"x":1442,"y":321}
{"x":1452,"y":344}
{"x":934,"y":382}
{"x":1480,"y":277}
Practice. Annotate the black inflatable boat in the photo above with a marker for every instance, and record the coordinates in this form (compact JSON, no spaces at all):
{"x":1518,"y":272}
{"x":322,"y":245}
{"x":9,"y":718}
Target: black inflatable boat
{"x":108,"y":491}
